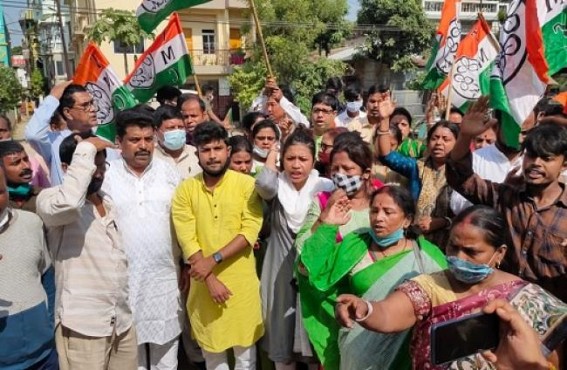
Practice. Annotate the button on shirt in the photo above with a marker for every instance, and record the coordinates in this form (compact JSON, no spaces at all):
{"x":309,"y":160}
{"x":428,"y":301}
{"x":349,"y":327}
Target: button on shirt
{"x":91,"y":270}
{"x":143,"y":206}
{"x":539,"y":235}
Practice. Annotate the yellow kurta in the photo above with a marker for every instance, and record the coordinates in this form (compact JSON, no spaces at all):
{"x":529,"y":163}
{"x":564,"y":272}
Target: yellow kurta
{"x":206,"y":221}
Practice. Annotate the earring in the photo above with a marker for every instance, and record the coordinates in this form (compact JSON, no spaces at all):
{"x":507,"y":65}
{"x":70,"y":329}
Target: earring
{"x":498,"y":264}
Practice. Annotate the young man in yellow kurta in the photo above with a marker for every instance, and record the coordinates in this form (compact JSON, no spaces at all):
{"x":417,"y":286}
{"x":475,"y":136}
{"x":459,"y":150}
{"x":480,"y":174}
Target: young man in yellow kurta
{"x":217,"y":217}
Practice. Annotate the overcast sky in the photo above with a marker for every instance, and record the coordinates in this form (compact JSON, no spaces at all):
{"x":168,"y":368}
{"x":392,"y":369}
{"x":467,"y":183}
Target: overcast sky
{"x":353,"y":6}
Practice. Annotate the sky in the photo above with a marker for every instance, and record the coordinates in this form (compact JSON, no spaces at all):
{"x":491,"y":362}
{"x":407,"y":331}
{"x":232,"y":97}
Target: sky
{"x":12,"y":10}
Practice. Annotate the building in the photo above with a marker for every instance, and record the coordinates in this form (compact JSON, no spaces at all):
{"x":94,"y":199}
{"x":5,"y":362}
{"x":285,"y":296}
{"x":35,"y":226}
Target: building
{"x":469,"y":11}
{"x":212,"y":31}
{"x":4,"y":40}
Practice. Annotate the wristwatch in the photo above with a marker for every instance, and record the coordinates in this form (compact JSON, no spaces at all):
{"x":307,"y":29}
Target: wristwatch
{"x":217,"y":257}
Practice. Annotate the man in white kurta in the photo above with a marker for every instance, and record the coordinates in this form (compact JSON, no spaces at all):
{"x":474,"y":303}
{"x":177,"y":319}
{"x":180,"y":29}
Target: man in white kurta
{"x":142,"y":188}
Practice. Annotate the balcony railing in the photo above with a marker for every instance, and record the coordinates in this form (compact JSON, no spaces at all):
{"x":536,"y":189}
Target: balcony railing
{"x":469,"y":9}
{"x":219,"y":57}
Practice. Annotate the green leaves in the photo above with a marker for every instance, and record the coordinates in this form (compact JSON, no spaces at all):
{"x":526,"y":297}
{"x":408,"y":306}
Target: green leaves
{"x":37,"y":84}
{"x":10,"y":89}
{"x":116,"y":25}
{"x":410,"y":31}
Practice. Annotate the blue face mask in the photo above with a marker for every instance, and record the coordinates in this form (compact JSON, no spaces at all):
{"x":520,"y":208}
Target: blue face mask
{"x":468,"y":272}
{"x":388,"y":240}
{"x":174,"y":140}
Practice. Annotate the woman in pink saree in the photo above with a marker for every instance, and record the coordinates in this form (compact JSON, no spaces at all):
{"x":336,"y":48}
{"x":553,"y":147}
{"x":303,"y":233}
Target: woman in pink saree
{"x":476,"y":247}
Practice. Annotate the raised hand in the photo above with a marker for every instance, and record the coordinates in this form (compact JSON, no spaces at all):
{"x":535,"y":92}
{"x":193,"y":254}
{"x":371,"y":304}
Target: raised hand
{"x":386,"y":107}
{"x":57,"y":90}
{"x":477,"y":120}
{"x":337,"y":211}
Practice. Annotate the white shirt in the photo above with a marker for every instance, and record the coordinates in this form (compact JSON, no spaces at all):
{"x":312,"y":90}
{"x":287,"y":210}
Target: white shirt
{"x":490,"y":164}
{"x":343,"y":119}
{"x":143,"y":217}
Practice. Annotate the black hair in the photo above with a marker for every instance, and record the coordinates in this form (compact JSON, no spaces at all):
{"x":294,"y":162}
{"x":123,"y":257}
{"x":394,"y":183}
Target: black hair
{"x":8,"y":122}
{"x":456,"y":110}
{"x":352,"y":92}
{"x":250,"y":118}
{"x":546,"y":140}
{"x":357,"y":149}
{"x":446,"y":124}
{"x":140,"y":115}
{"x":288,"y":93}
{"x":326,"y":99}
{"x":67,"y":100}
{"x":396,"y":132}
{"x":334,"y":83}
{"x":208,"y":132}
{"x":554,"y":108}
{"x":239,"y":143}
{"x":489,"y":220}
{"x":69,"y":145}
{"x":183,"y":98}
{"x":300,"y":136}
{"x":378,"y":89}
{"x":401,"y":111}
{"x":403,"y":199}
{"x":267,"y":123}
{"x":8,"y":147}
{"x":167,"y":93}
{"x":164,"y":113}
{"x":541,"y":105}
{"x":206,"y":88}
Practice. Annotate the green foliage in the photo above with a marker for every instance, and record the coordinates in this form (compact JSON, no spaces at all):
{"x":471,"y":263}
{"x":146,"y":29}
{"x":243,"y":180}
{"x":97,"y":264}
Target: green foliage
{"x":406,"y":31}
{"x":16,"y":50}
{"x":416,"y":83}
{"x":10,"y":89}
{"x":116,"y":25}
{"x":246,"y":81}
{"x":37,"y":83}
{"x":292,"y":30}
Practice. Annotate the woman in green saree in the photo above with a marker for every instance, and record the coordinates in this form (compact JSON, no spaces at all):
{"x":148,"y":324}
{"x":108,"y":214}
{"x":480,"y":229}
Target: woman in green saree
{"x":369,"y":262}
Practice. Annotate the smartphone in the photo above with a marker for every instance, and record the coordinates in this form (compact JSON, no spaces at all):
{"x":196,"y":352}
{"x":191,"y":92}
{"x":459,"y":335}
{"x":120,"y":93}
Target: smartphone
{"x":464,"y":336}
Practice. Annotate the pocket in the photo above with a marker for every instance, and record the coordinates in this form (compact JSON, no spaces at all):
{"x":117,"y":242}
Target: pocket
{"x":552,"y":254}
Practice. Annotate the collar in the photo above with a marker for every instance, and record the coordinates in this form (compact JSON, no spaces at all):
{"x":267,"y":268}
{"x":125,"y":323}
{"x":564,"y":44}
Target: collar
{"x":184,"y":154}
{"x":562,"y":199}
{"x":201,"y":177}
{"x":146,"y":170}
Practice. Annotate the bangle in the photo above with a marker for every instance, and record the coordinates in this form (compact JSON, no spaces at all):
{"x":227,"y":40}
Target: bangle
{"x":449,"y":222}
{"x":368,"y":313}
{"x":380,"y":132}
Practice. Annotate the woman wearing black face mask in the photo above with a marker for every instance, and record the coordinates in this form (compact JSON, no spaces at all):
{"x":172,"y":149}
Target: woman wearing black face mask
{"x":264,"y":134}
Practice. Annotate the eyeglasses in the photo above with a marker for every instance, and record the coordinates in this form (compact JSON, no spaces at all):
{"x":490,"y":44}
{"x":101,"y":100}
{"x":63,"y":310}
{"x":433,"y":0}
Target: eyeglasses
{"x":86,"y":106}
{"x":321,"y":110}
{"x":325,"y":147}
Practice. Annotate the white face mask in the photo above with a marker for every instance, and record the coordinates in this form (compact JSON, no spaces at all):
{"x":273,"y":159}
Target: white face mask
{"x":354,"y":106}
{"x":262,"y":153}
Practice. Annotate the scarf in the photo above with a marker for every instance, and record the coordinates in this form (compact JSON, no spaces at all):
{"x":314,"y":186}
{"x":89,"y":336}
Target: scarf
{"x":296,"y":203}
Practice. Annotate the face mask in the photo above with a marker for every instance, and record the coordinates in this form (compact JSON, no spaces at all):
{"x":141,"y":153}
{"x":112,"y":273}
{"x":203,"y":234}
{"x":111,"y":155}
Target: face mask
{"x":20,"y":191}
{"x":174,"y":140}
{"x":388,"y":240}
{"x":350,"y":184}
{"x":468,"y":272}
{"x":262,"y":153}
{"x":354,"y":106}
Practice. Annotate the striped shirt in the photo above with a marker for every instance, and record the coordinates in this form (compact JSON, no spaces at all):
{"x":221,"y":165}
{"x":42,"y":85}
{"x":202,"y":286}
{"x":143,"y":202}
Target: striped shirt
{"x":91,"y":269}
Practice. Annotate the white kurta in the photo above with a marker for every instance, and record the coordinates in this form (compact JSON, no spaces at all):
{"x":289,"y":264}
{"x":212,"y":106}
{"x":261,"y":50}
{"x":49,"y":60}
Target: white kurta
{"x":143,"y":218}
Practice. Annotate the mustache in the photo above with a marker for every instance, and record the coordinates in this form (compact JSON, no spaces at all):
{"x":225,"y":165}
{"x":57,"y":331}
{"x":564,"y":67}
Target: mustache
{"x":26,"y":172}
{"x":143,"y":151}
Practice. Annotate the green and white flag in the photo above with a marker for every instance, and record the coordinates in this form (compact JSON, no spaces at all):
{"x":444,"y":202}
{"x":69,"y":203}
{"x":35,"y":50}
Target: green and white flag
{"x":151,"y":12}
{"x":165,"y":63}
{"x":520,"y":74}
{"x":552,"y":15}
{"x":473,"y":66}
{"x":447,"y":40}
{"x":110,"y":95}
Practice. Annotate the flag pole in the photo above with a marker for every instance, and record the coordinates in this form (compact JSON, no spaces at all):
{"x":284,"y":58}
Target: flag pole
{"x":197,"y":86}
{"x":491,"y":37}
{"x":261,"y":36}
{"x":449,"y":95}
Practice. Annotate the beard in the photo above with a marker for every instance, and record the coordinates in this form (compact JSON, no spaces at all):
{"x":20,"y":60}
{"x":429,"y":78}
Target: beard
{"x":217,"y":173}
{"x":94,"y":186}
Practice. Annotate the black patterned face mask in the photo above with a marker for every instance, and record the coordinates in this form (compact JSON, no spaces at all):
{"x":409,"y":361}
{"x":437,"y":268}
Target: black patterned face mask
{"x":350,"y":184}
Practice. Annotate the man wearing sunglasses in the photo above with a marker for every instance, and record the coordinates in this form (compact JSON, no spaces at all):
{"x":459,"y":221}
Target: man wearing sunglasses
{"x":76,"y":106}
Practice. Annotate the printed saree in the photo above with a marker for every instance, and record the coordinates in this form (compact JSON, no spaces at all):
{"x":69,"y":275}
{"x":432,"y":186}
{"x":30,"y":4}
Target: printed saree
{"x":431,"y":297}
{"x":326,"y":270}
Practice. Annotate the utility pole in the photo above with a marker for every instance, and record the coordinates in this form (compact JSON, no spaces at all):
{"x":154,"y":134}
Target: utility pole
{"x":62,"y":30}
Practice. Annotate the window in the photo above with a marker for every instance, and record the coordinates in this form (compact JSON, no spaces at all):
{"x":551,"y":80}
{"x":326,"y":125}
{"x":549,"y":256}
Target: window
{"x":121,"y":48}
{"x":59,"y":69}
{"x":208,"y":41}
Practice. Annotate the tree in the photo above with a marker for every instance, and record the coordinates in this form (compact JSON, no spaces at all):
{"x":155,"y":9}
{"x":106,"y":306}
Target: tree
{"x":292,"y":31}
{"x":10,"y":89}
{"x":115,"y":25}
{"x":402,"y":31}
{"x":16,"y":50}
{"x":37,"y":84}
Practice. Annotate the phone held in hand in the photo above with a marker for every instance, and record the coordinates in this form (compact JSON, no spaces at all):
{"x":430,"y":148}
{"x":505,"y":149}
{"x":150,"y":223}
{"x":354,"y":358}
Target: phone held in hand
{"x":462,"y":337}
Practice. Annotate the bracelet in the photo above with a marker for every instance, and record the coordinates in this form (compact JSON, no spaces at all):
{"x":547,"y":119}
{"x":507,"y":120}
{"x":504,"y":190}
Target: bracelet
{"x":449,"y":222}
{"x":370,"y":310}
{"x":380,"y":132}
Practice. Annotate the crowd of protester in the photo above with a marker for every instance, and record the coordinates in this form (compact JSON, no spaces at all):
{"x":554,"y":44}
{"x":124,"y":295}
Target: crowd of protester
{"x":335,"y":240}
